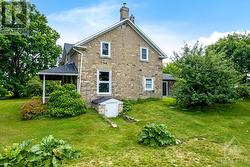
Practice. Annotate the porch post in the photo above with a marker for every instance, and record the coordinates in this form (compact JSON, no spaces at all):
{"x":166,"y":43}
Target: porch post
{"x":43,"y":88}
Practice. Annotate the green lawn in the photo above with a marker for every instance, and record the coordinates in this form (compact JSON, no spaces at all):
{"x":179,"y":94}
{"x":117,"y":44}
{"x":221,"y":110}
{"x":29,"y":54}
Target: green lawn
{"x":216,"y":136}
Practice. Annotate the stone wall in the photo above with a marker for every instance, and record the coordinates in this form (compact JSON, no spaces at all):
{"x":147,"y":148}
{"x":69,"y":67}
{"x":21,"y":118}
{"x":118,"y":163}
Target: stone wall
{"x":127,"y":69}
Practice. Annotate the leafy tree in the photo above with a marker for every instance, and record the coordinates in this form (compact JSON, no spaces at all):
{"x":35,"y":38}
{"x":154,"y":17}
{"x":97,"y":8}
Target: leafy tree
{"x":204,"y":79}
{"x":170,"y":68}
{"x":235,"y":47}
{"x":24,"y":52}
{"x":34,"y":87}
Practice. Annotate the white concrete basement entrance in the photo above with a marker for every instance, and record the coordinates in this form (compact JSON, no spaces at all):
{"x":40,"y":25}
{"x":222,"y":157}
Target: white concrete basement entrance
{"x":108,"y":106}
{"x":111,"y":109}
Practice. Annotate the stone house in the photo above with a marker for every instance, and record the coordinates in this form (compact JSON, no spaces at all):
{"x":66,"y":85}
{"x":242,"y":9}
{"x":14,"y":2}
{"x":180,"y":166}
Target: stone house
{"x":120,"y":62}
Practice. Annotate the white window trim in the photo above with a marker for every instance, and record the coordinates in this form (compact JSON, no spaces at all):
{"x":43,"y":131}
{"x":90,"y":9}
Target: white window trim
{"x":144,"y":83}
{"x":109,"y":51}
{"x":110,"y":82}
{"x":141,"y":54}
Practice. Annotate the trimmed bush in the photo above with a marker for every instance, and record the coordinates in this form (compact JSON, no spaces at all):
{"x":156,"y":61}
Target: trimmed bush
{"x":156,"y":135}
{"x":66,"y":102}
{"x":49,"y":152}
{"x":32,"y":109}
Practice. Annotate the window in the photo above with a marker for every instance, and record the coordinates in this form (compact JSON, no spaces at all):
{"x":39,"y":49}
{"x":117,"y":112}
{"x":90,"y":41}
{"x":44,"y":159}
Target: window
{"x":105,"y":49}
{"x":148,"y":83}
{"x":144,"y":54}
{"x":104,"y":82}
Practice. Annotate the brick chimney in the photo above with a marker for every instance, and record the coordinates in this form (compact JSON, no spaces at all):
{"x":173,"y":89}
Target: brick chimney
{"x":124,"y":12}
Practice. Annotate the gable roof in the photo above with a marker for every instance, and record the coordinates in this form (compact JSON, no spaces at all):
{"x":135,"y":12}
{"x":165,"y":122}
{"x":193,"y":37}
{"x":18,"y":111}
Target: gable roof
{"x":67,"y":69}
{"x":67,"y":47}
{"x":135,"y":27}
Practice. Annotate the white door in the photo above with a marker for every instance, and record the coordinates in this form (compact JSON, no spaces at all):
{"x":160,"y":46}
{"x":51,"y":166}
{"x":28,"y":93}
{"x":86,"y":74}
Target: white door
{"x":111,"y":109}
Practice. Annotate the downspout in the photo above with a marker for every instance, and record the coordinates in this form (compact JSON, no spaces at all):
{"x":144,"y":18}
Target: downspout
{"x":80,"y":73}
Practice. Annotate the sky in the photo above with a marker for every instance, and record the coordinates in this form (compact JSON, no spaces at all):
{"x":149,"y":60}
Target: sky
{"x":169,"y":23}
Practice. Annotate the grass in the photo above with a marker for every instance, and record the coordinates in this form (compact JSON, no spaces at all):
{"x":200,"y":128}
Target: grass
{"x":218,"y":135}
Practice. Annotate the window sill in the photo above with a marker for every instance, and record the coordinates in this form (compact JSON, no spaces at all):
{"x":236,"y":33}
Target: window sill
{"x":144,"y":61}
{"x":103,"y":94}
{"x":149,"y":90}
{"x":105,"y":57}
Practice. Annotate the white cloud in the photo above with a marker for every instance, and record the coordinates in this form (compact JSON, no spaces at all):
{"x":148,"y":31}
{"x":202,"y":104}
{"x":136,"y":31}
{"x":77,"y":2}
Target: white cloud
{"x":215,"y":36}
{"x":166,"y":39}
{"x":78,"y":23}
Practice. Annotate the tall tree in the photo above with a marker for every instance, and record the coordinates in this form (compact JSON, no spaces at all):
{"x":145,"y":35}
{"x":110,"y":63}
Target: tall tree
{"x":25,"y":51}
{"x":204,"y":79}
{"x":235,"y":47}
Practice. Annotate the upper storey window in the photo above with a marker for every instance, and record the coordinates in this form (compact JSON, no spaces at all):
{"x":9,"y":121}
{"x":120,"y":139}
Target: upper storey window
{"x":144,"y":54}
{"x":105,"y":49}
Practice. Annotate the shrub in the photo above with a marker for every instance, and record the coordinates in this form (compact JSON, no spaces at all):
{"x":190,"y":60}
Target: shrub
{"x":156,"y":135}
{"x":3,"y":91}
{"x":52,"y":151}
{"x":32,"y":109}
{"x":243,"y":90}
{"x":66,"y":102}
{"x":127,"y":105}
{"x":49,"y":152}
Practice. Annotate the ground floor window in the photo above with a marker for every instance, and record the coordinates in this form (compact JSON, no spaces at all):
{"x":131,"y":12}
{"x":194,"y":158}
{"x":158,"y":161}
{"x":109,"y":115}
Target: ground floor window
{"x":148,"y":83}
{"x":104,"y":82}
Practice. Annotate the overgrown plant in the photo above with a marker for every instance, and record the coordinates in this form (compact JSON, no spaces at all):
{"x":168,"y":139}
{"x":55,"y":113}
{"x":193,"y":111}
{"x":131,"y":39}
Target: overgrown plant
{"x":33,"y":109}
{"x":156,"y":135}
{"x":52,"y":151}
{"x":127,"y":105}
{"x":17,"y":155}
{"x":66,"y":102}
{"x":49,"y":152}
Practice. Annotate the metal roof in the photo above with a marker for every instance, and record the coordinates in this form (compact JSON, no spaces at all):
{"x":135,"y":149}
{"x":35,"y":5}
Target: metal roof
{"x":101,"y":99}
{"x":168,"y":77}
{"x":67,"y":69}
{"x":67,"y":47}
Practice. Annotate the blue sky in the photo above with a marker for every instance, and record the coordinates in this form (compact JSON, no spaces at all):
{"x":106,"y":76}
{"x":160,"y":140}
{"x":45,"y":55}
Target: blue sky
{"x":167,"y":22}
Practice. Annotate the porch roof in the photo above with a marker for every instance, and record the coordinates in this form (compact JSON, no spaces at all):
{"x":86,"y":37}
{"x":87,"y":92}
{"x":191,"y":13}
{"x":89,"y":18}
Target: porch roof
{"x":67,"y":69}
{"x":168,"y":77}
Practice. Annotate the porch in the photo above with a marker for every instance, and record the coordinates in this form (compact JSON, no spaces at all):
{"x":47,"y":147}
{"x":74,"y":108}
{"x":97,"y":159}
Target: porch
{"x":67,"y":73}
{"x":167,"y":84}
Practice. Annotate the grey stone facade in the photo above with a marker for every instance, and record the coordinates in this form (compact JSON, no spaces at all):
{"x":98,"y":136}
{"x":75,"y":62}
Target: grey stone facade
{"x":127,"y":69}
